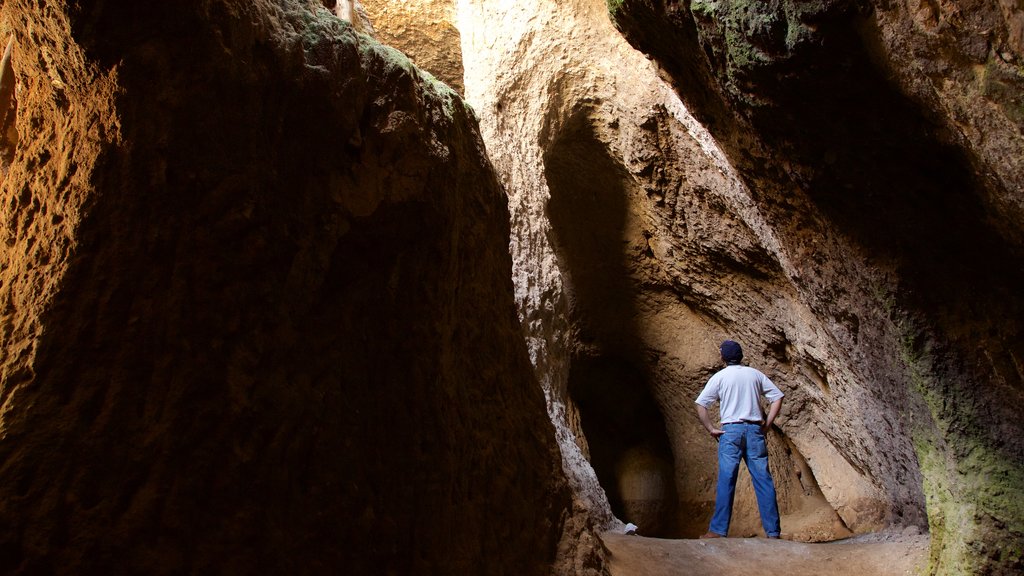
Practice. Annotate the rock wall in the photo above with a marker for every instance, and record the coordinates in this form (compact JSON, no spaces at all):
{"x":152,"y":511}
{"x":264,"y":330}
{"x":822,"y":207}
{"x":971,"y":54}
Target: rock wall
{"x":637,"y":248}
{"x":850,"y":213}
{"x":425,"y":31}
{"x":884,"y":141}
{"x":256,"y":286}
{"x":837,"y":184}
{"x":257,"y":307}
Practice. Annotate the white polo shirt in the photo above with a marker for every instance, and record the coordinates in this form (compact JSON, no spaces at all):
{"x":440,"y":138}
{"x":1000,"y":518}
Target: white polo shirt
{"x":738,"y":390}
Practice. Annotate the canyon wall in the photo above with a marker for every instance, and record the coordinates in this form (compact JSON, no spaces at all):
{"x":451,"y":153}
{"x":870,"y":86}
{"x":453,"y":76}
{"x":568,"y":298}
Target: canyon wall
{"x":638,"y":248}
{"x":270,"y":306}
{"x":425,"y":31}
{"x":835,"y":184}
{"x":257,"y":307}
{"x":898,"y":126}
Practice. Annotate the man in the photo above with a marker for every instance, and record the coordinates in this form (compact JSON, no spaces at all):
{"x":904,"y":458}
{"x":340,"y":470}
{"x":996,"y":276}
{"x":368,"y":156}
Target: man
{"x":738,"y":390}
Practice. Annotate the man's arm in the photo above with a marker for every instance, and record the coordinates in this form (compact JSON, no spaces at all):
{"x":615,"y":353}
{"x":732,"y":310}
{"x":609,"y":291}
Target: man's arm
{"x":773,"y":411}
{"x":702,"y":413}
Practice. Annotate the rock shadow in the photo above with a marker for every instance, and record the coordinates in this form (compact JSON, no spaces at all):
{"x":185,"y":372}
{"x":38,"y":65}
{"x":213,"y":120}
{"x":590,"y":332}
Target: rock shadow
{"x":609,"y":379}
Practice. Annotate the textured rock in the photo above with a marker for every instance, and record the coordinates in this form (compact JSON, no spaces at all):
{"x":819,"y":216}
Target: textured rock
{"x":884,"y":143}
{"x":256,"y":297}
{"x":637,"y":248}
{"x":645,"y":484}
{"x":425,"y":30}
{"x":257,"y":307}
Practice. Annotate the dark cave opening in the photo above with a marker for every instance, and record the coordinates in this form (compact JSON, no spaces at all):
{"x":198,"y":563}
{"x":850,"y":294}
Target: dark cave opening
{"x":629,"y":448}
{"x":608,"y":380}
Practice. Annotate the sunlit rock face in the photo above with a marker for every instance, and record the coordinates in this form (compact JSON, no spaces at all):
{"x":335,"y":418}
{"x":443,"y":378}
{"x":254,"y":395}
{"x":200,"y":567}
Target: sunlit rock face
{"x":884,"y":139}
{"x":257,"y":307}
{"x":638,"y":247}
{"x":861,"y":247}
{"x":425,"y":31}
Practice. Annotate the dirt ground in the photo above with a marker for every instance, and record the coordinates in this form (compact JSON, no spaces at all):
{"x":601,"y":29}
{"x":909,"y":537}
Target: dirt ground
{"x":869,"y":555}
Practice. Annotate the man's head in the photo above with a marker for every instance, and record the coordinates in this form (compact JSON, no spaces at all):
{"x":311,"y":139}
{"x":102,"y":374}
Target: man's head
{"x":731,"y":352}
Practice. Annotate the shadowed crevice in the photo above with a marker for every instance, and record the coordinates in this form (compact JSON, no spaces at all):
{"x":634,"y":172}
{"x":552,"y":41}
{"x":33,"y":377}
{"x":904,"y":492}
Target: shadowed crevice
{"x":609,"y":379}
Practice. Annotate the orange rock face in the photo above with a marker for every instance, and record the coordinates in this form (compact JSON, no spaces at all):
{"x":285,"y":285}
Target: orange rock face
{"x":424,"y":30}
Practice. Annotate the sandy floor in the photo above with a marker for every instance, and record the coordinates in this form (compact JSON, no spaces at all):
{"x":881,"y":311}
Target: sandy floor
{"x":862,"y":556}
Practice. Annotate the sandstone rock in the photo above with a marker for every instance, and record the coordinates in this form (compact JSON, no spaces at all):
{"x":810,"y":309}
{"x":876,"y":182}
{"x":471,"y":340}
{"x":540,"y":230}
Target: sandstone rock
{"x":257,"y":307}
{"x":425,"y":30}
{"x":256,"y":297}
{"x":884,"y":144}
{"x":637,"y":248}
{"x":646,"y":486}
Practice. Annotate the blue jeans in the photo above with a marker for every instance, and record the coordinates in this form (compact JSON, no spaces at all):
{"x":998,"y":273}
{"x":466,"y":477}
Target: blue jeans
{"x":744,"y":441}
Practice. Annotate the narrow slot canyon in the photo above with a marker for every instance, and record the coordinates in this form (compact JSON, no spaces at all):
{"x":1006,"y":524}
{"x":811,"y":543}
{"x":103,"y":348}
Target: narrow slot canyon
{"x":430,"y":287}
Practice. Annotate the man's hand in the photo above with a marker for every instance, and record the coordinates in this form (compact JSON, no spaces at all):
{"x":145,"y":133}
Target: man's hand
{"x":702,"y":414}
{"x":773,"y":411}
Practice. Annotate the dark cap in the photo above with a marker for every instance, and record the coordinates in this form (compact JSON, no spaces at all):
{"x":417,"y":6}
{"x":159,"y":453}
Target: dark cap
{"x":731,"y":352}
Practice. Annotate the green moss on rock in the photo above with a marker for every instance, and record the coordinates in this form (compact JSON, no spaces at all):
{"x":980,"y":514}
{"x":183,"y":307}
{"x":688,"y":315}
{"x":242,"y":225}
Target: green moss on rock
{"x":973,"y":490}
{"x":1004,"y":85}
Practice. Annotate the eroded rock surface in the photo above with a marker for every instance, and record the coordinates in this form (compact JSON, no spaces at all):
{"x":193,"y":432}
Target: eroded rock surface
{"x":425,"y":30}
{"x":638,"y":248}
{"x":837,"y":188}
{"x":257,"y":308}
{"x":897,"y":126}
{"x":256,"y":297}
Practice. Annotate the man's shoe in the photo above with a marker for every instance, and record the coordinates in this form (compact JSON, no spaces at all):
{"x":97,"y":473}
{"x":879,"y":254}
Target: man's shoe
{"x":773,"y":537}
{"x":711,"y":535}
